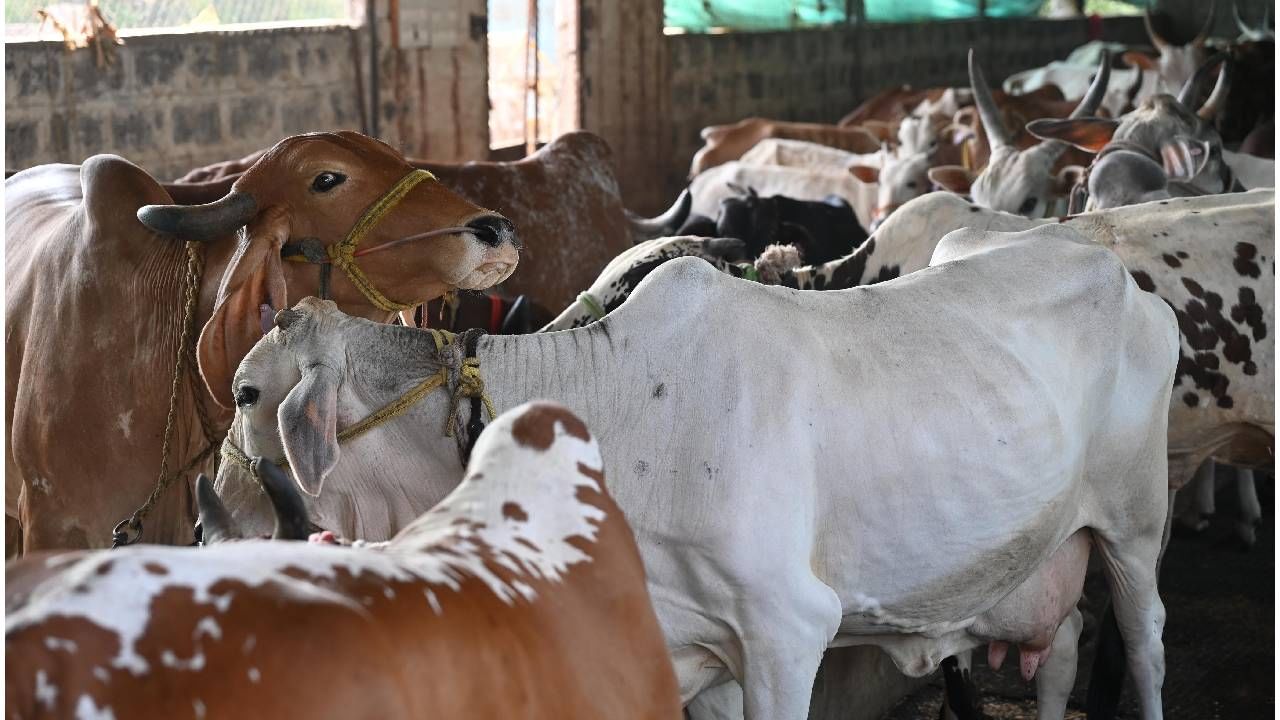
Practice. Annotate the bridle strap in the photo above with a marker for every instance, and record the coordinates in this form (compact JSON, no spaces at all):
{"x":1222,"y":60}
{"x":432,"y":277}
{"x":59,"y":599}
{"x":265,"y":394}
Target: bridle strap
{"x":343,"y":254}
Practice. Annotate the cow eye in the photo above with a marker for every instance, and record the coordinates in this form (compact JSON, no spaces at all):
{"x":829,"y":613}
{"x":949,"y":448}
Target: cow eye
{"x":327,"y":181}
{"x":246,"y":396}
{"x":1027,"y":206}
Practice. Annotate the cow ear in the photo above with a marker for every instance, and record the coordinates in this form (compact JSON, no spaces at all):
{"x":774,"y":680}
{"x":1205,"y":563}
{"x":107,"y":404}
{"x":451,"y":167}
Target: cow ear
{"x":308,"y":420}
{"x":951,"y":177}
{"x":1184,"y":157}
{"x":1135,"y":59}
{"x":1068,"y":177}
{"x":1088,"y":134}
{"x":251,"y":290}
{"x":865,"y":173}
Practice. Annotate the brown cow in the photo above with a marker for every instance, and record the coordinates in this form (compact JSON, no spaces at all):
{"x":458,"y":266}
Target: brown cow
{"x":725,"y":143}
{"x":522,"y":594}
{"x":564,"y":198}
{"x":95,"y":307}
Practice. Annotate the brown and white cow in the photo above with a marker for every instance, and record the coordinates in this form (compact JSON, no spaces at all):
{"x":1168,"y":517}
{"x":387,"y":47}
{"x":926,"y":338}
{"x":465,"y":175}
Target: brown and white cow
{"x":522,"y":594}
{"x":725,"y":143}
{"x":564,"y":198}
{"x":95,"y":268}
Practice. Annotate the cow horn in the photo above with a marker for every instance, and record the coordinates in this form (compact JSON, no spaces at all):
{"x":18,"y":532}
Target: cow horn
{"x":201,"y":222}
{"x":1218,"y":98}
{"x":1131,"y":96}
{"x":997,"y":133}
{"x":1240,"y":23}
{"x":292,"y":522}
{"x":216,"y":524}
{"x":1191,"y":89}
{"x":1159,"y":42}
{"x":1205,"y":29}
{"x":666,"y":223}
{"x":1092,"y":99}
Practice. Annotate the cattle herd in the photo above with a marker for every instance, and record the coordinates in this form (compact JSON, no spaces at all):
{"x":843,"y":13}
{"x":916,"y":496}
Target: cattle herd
{"x":885,"y":383}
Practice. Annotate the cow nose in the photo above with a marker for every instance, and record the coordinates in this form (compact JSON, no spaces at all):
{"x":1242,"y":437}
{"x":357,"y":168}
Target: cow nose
{"x":494,"y":230}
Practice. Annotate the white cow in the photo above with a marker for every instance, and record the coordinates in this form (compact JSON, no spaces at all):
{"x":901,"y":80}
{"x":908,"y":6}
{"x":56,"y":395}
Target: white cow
{"x":777,"y":496}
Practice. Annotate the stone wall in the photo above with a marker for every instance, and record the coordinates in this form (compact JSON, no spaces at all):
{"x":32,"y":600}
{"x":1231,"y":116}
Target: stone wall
{"x":170,"y":102}
{"x":176,"y":100}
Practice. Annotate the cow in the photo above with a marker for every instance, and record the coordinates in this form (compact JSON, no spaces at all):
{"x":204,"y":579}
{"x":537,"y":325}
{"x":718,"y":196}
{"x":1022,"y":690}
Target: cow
{"x":799,"y":183}
{"x":564,"y":198}
{"x":894,"y":104}
{"x":820,"y":230}
{"x":1204,"y":256}
{"x":757,"y":590}
{"x":1016,"y":180}
{"x":99,"y":285}
{"x":521,"y":594}
{"x":1165,"y":133}
{"x":621,"y":276}
{"x":723,"y":143}
{"x":1174,"y":64}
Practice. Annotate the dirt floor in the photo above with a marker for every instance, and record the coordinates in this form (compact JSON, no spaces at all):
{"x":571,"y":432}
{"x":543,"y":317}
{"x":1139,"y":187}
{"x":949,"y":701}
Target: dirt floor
{"x":1219,"y":638}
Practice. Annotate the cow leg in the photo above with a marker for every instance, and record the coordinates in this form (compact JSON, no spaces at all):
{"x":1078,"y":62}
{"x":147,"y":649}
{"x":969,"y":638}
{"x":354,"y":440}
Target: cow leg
{"x":782,"y":646}
{"x":1196,"y":517}
{"x":1057,"y":675}
{"x":1250,"y":508}
{"x":1140,"y":614}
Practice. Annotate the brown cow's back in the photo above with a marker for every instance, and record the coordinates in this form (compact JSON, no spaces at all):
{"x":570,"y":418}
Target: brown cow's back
{"x":521,"y":595}
{"x":78,"y":259}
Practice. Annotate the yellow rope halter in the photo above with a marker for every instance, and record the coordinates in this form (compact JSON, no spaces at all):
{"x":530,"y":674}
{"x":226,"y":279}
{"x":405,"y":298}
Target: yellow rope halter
{"x":470,"y":384}
{"x":342,"y":254}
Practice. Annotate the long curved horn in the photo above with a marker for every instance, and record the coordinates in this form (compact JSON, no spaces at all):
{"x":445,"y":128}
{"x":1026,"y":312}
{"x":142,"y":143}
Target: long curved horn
{"x":216,"y":524}
{"x":1218,"y":98}
{"x":997,"y":133}
{"x":292,"y":522}
{"x":1191,"y":88}
{"x":1205,"y":29}
{"x":1240,"y":23}
{"x":1088,"y":107}
{"x":666,"y":223}
{"x":1131,"y":95}
{"x":1157,"y":41}
{"x":201,"y":222}
{"x":1092,"y":99}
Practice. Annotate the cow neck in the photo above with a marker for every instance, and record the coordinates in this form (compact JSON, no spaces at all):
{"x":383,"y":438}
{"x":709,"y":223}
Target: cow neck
{"x":217,"y":256}
{"x":578,"y":368}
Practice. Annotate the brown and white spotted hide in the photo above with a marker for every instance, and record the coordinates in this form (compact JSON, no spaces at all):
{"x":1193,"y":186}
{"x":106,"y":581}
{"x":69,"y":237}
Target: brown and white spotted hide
{"x":521,"y":595}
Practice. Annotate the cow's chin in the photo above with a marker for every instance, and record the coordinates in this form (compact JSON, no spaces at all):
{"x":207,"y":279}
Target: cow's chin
{"x":486,"y":275}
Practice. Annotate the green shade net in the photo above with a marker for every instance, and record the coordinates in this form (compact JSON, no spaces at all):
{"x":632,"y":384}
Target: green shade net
{"x":702,"y":15}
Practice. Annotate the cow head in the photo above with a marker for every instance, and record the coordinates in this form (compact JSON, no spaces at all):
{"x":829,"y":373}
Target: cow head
{"x":1016,"y":180}
{"x":904,"y":172}
{"x":312,"y":190}
{"x":319,"y":371}
{"x":1164,"y":130}
{"x":1174,"y":64}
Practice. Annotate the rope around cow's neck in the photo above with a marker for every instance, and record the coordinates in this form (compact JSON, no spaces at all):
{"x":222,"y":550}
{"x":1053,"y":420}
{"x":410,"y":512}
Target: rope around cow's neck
{"x":129,"y":530}
{"x":469,"y":385}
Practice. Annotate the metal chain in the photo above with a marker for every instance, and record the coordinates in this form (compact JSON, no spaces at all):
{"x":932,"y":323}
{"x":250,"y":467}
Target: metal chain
{"x":129,"y":530}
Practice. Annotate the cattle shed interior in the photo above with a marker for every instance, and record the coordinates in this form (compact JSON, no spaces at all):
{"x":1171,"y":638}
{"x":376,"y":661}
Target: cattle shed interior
{"x":178,"y":85}
{"x":176,"y":100}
